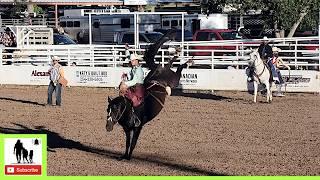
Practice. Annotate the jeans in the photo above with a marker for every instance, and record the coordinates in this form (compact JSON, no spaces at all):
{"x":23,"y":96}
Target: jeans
{"x":273,"y":70}
{"x":58,"y":90}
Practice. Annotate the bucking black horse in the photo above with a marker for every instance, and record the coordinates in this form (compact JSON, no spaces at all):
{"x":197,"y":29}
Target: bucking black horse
{"x":159,"y":81}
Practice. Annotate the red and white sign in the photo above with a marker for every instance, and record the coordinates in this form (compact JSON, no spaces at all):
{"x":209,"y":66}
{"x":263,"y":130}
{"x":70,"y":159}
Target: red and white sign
{"x":23,"y":170}
{"x":23,"y":156}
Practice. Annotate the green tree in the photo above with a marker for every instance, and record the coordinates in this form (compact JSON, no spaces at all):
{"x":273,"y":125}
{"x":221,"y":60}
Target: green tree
{"x":37,"y":9}
{"x":212,"y":6}
{"x":285,"y":15}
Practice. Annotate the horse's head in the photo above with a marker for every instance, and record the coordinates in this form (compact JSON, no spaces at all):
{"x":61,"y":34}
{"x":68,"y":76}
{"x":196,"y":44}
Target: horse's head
{"x":254,"y":56}
{"x":116,"y":108}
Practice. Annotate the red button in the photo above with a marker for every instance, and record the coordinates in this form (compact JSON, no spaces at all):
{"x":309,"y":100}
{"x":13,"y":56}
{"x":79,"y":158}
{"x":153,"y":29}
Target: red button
{"x":22,"y":169}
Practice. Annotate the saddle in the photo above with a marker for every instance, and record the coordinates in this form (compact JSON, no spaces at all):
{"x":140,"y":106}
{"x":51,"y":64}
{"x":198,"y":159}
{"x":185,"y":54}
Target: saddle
{"x":136,"y":94}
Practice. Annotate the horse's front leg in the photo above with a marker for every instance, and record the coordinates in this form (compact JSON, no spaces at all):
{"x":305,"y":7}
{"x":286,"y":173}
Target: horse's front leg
{"x":128,"y":142}
{"x":255,"y":86}
{"x":136,"y":133}
{"x":269,"y":93}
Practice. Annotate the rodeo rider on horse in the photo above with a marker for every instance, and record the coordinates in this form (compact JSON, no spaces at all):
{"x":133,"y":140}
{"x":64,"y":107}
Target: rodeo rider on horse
{"x":132,"y":87}
{"x":270,"y":58}
{"x":265,"y":52}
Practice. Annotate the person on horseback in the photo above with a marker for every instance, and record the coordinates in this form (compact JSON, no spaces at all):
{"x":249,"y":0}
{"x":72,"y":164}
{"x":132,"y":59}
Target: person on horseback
{"x":265,"y":52}
{"x":131,"y":85}
{"x":278,"y":63}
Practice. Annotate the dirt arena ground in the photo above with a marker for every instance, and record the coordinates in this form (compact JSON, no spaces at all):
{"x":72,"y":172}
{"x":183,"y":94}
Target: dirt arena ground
{"x":195,"y":134}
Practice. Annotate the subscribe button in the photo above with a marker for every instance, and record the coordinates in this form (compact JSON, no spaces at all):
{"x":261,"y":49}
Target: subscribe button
{"x":23,"y":170}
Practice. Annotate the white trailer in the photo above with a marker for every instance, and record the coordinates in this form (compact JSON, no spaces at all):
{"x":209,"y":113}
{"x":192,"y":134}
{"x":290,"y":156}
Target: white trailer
{"x":193,"y":22}
{"x":104,"y":26}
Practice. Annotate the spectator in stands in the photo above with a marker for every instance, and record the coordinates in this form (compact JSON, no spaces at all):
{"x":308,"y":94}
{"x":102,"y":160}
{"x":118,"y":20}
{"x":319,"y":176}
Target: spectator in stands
{"x":278,"y":63}
{"x":73,"y":64}
{"x":56,"y":72}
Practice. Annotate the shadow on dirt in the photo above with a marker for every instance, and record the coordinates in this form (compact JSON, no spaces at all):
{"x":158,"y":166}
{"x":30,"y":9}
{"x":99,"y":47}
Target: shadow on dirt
{"x":55,"y":141}
{"x":22,"y":101}
{"x":198,"y":95}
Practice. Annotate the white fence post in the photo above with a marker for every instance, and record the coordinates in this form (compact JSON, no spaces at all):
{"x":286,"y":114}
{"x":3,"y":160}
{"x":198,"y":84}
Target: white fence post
{"x":295,"y":53}
{"x":319,"y":42}
{"x":0,"y":57}
{"x":162,"y":58}
{"x":91,"y":56}
{"x":114,"y":57}
{"x":68,"y":57}
{"x":212,"y":59}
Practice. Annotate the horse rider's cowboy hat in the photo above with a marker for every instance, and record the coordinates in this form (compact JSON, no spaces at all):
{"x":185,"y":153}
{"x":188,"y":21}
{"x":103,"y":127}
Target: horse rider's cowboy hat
{"x":55,"y":58}
{"x":135,"y":57}
{"x":265,"y":39}
{"x":275,"y":49}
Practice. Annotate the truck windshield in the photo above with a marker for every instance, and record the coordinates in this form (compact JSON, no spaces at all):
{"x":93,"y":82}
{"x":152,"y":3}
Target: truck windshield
{"x":230,"y":35}
{"x":202,"y":36}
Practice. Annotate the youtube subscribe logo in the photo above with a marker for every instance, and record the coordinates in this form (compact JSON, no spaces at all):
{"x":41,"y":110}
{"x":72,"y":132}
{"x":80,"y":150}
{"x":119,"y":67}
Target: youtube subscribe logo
{"x":23,"y":170}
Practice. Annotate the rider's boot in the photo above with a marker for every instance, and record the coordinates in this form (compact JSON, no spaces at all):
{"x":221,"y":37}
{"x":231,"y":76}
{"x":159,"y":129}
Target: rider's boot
{"x":137,"y":122}
{"x":139,"y":115}
{"x":136,"y":119}
{"x":189,"y":63}
{"x":279,"y":92}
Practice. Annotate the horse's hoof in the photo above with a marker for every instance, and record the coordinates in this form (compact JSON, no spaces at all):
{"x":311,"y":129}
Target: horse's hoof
{"x":124,"y":157}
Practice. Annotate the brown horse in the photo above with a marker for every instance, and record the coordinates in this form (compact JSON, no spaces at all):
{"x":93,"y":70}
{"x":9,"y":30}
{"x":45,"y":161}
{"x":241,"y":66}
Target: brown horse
{"x":156,"y":84}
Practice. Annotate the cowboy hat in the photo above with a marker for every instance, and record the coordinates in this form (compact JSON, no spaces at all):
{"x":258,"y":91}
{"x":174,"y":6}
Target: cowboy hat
{"x":135,"y":57}
{"x":275,"y":49}
{"x":265,"y":38}
{"x":55,"y":58}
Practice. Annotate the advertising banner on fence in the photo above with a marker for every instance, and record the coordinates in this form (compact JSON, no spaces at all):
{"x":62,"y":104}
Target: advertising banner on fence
{"x":26,"y":75}
{"x":199,"y":79}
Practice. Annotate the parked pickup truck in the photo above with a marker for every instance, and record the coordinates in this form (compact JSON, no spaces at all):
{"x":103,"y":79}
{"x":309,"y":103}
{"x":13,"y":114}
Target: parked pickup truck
{"x":215,"y":35}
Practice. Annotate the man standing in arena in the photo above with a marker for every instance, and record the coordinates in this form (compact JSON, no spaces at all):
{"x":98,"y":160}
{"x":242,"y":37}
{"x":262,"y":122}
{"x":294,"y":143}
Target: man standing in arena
{"x":56,"y":72}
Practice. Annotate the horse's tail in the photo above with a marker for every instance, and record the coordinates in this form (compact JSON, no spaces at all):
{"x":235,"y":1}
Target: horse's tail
{"x":153,"y":49}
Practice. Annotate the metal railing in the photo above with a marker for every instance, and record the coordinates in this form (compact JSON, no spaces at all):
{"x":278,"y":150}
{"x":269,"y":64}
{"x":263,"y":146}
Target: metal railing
{"x":50,"y":22}
{"x":298,"y":53}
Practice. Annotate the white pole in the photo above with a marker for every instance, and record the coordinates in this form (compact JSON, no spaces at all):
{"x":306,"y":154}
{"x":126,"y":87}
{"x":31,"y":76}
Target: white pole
{"x":135,"y":31}
{"x":319,"y":40}
{"x":90,"y":30}
{"x":182,"y":38}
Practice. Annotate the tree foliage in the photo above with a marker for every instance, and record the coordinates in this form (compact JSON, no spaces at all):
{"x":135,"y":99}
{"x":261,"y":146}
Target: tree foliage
{"x":285,"y":15}
{"x":37,"y":9}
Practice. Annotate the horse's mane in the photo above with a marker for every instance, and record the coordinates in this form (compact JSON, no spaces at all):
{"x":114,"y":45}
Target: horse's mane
{"x":153,"y":49}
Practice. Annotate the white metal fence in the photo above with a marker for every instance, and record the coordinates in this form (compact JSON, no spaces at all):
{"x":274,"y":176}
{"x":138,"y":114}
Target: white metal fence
{"x":298,"y":53}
